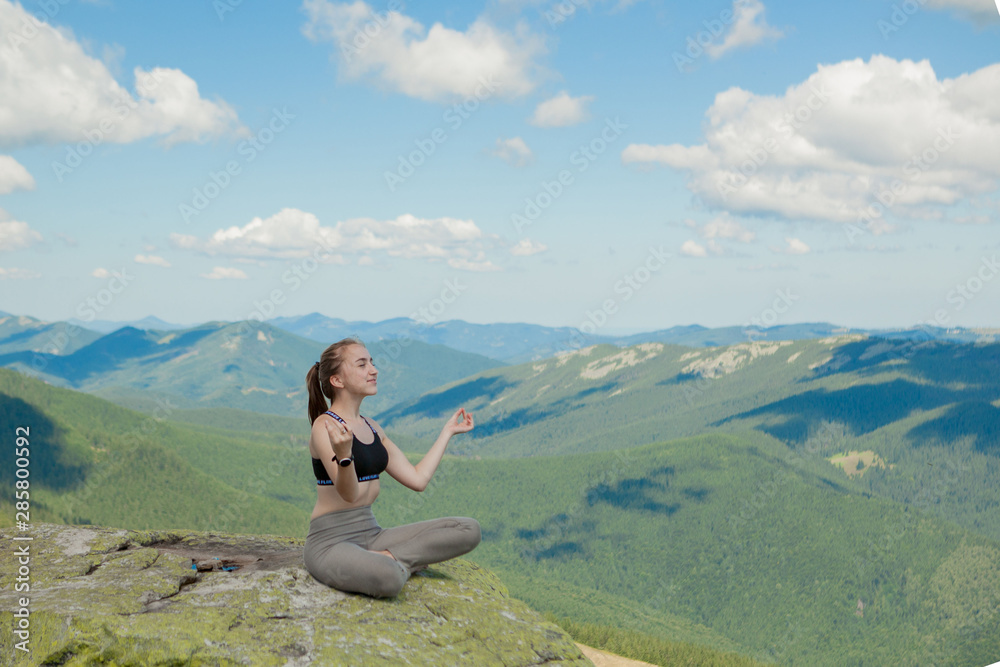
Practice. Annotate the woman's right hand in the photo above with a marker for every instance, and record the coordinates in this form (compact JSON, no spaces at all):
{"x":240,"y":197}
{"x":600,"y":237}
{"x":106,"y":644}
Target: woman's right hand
{"x":341,"y":438}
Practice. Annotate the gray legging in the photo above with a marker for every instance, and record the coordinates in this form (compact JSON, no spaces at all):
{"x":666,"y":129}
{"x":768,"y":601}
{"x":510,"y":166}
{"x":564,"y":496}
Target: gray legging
{"x":341,"y":549}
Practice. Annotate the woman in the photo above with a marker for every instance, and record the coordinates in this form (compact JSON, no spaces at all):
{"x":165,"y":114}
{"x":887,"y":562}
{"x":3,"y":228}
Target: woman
{"x":346,"y":548}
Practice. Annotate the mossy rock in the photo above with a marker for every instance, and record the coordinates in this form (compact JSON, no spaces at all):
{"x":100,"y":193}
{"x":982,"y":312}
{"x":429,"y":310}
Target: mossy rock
{"x":125,"y":597}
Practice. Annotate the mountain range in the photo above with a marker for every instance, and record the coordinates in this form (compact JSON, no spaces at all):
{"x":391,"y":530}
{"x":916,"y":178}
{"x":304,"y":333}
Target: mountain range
{"x":815,"y":502}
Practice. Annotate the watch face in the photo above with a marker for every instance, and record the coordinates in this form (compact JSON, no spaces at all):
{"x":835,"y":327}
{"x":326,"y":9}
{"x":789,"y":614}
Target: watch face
{"x":344,"y":462}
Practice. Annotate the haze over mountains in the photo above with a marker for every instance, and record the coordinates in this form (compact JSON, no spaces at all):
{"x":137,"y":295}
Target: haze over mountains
{"x":506,"y":342}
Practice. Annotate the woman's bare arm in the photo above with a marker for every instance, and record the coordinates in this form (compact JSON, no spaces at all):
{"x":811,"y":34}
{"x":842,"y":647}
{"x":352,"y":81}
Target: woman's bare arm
{"x":419,"y":476}
{"x":329,"y":438}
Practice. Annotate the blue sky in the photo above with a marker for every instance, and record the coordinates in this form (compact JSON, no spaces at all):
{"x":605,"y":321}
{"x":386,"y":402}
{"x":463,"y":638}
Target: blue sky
{"x":635,"y":164}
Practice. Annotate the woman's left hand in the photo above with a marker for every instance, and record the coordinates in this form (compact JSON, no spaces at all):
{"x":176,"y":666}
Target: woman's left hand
{"x":460,"y":422}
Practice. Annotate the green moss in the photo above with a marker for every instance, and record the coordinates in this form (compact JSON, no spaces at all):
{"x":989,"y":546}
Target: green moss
{"x":114,"y":597}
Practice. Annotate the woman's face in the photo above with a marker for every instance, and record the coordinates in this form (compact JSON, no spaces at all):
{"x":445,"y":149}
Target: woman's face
{"x":357,"y":371}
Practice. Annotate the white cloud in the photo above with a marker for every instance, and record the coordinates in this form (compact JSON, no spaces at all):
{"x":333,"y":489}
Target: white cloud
{"x":225,"y":273}
{"x":436,"y":64}
{"x":152,"y":259}
{"x":294,"y":234}
{"x":52,"y":91}
{"x":793,"y":247}
{"x":514,"y":152}
{"x":526,"y":247}
{"x":13,"y":176}
{"x":18,"y":274}
{"x":725,"y":227}
{"x":827,"y":147}
{"x":561,"y":111}
{"x":977,"y":11}
{"x":15,"y":235}
{"x":470,"y":265}
{"x":100,"y":272}
{"x":749,"y":28}
{"x":693,"y":249}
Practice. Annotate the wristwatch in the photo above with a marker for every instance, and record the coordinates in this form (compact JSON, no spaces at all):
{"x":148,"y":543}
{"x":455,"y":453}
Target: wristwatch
{"x":343,"y":463}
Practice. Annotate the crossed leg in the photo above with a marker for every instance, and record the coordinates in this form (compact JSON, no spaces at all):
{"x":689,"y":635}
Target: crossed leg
{"x":351,"y":568}
{"x":416,"y":545}
{"x":414,"y":570}
{"x":391,"y":556}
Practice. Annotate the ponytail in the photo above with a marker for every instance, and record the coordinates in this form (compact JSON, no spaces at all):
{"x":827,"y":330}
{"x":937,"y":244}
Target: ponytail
{"x":318,"y":377}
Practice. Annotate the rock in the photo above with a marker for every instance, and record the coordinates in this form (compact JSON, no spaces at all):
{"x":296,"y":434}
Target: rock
{"x":126,"y":597}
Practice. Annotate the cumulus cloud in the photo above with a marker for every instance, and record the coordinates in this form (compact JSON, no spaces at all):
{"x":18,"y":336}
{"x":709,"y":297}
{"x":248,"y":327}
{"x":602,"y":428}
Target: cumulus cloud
{"x":693,"y":249}
{"x":52,"y":91}
{"x":225,"y":273}
{"x":152,"y":259}
{"x":977,"y":11}
{"x":292,"y":234}
{"x":430,"y":64}
{"x":13,"y":176}
{"x":792,"y":246}
{"x":722,"y":227}
{"x":726,"y":227}
{"x":526,"y":247}
{"x":18,"y":274}
{"x":561,"y":111}
{"x":851,"y":134}
{"x":15,"y":235}
{"x":749,"y":27}
{"x":514,"y":152}
{"x":479,"y":263}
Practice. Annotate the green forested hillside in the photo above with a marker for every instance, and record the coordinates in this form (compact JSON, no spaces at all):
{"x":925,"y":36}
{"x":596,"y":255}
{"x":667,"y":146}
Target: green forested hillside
{"x":731,"y":533}
{"x":94,"y":462}
{"x":247,"y":365}
{"x":675,"y":494}
{"x":929,"y":409}
{"x":20,"y":333}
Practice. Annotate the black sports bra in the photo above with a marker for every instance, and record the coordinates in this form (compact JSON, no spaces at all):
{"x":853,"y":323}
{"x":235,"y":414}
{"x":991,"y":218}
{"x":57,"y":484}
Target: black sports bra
{"x":369,"y":459}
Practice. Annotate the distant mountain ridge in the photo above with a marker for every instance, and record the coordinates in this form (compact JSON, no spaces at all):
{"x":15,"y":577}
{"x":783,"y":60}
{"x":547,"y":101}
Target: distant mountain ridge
{"x":518,"y":342}
{"x":148,"y":322}
{"x":249,"y":365}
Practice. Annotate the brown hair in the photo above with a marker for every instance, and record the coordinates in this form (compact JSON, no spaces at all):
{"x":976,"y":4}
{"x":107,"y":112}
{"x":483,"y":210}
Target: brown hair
{"x":318,"y":377}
